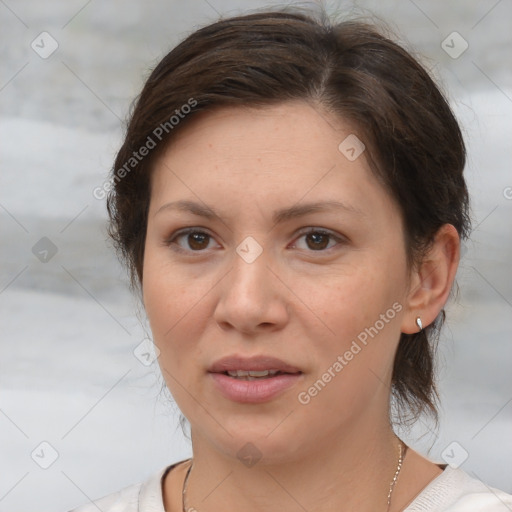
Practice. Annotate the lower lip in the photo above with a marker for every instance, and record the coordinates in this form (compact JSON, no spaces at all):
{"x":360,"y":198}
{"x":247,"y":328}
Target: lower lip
{"x":254,"y":391}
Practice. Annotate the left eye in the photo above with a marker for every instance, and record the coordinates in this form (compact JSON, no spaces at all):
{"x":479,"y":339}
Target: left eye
{"x":319,"y":240}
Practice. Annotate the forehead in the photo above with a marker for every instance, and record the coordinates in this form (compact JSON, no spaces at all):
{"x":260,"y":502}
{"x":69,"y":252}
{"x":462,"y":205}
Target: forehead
{"x":282,"y":128}
{"x":272,"y":155}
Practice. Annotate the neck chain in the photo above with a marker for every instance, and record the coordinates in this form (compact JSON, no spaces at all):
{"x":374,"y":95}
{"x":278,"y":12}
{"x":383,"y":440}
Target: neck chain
{"x":401,"y":447}
{"x":401,"y":453}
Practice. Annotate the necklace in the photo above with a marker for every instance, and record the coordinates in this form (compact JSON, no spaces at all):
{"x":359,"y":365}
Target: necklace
{"x":401,"y":453}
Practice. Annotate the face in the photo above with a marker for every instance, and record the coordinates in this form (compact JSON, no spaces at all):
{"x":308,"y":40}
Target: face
{"x":265,"y":241}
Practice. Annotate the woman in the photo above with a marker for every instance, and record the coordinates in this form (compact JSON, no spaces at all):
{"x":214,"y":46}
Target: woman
{"x":290,"y":200}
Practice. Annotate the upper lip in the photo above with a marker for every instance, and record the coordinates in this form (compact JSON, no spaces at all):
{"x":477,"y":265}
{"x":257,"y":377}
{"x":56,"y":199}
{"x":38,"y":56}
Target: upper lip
{"x":256,"y":363}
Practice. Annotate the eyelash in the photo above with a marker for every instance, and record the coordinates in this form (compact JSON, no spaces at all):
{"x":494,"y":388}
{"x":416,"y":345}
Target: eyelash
{"x":171,"y":241}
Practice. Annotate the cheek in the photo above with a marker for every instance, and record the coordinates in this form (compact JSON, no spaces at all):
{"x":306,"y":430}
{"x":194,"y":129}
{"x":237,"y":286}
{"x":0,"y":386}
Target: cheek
{"x":362,"y":310}
{"x":174,"y":305}
{"x":350,"y":302}
{"x":176,"y":314}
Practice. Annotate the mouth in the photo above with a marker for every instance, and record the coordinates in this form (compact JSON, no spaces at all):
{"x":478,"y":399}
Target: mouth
{"x":253,"y":380}
{"x":255,"y":375}
{"x":255,"y":366}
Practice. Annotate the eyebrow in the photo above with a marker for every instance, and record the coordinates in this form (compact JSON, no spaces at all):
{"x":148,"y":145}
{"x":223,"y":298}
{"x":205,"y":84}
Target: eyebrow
{"x":279,"y":216}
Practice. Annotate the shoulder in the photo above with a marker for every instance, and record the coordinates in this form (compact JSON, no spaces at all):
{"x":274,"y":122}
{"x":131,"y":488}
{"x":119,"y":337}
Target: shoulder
{"x":140,"y":497}
{"x":456,"y":491}
{"x":125,"y":500}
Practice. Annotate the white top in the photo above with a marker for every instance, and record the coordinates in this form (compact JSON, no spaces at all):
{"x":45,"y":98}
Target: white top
{"x":452,"y":491}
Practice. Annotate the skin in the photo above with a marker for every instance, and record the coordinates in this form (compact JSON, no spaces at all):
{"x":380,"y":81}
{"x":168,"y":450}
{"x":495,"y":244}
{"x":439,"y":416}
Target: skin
{"x":302,"y":300}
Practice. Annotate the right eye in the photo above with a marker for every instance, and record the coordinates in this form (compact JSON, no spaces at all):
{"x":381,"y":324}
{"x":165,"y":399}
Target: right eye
{"x":190,"y":240}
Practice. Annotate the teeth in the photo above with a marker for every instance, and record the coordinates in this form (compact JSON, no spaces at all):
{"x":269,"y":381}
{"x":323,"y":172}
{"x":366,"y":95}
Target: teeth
{"x":252,"y":374}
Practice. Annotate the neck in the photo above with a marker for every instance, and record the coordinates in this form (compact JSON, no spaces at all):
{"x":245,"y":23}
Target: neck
{"x":350,"y":470}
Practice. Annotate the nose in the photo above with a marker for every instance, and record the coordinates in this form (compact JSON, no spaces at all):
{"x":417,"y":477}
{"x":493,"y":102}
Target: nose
{"x":251,"y":298}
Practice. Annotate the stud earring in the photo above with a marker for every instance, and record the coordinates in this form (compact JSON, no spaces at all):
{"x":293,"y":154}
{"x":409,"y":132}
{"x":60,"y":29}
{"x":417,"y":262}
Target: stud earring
{"x":419,"y":324}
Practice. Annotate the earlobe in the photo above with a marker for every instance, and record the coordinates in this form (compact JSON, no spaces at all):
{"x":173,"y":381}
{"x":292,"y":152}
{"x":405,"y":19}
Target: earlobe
{"x":432,"y":281}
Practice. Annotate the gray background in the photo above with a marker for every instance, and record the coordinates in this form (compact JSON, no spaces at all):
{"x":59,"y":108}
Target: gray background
{"x":69,"y":327}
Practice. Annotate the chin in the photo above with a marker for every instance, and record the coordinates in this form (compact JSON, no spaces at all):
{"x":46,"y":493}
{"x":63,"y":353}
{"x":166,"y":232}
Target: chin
{"x":264,"y":441}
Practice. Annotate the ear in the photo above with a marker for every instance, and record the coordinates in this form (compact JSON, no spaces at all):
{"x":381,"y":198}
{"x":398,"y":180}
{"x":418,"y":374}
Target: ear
{"x":431,"y":283}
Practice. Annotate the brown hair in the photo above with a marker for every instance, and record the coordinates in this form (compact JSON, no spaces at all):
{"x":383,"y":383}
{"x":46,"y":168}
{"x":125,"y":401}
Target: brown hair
{"x":413,"y":142}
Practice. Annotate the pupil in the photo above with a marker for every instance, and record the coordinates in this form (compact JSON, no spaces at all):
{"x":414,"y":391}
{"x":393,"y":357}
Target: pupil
{"x":196,"y":240}
{"x":317,"y":237}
